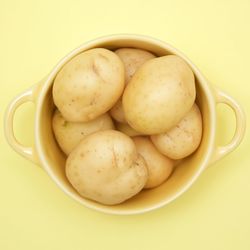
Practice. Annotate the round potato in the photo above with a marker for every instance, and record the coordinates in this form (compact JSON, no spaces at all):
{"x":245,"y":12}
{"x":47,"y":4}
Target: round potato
{"x":69,"y":134}
{"x":105,"y":167}
{"x":88,"y":85}
{"x":159,"y":94}
{"x":159,"y":166}
{"x":133,"y":60}
{"x":183,"y":139}
{"x":126,"y":129}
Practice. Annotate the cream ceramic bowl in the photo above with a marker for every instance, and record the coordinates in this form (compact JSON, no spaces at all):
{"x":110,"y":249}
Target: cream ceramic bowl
{"x":46,"y":153}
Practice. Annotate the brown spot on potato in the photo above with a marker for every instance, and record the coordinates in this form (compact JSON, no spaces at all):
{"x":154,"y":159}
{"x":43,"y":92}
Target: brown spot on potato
{"x":65,"y":123}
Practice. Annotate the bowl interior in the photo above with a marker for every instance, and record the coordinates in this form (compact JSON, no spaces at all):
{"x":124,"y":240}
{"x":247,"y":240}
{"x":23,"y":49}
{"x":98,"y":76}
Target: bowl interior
{"x":184,"y":174}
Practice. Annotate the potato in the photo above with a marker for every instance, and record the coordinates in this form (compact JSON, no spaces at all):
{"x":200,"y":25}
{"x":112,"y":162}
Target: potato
{"x":133,"y":60}
{"x":159,"y":166}
{"x":183,"y":139}
{"x":159,"y":94}
{"x":126,"y":129}
{"x":88,"y":85}
{"x":69,"y":134}
{"x":106,"y":168}
{"x":117,"y":112}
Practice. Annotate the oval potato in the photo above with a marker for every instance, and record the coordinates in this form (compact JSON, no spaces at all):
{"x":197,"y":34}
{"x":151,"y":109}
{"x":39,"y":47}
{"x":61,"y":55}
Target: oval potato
{"x":159,"y":94}
{"x":69,"y":134}
{"x":88,"y":85}
{"x":159,"y":166}
{"x":183,"y":139}
{"x":133,"y":59}
{"x":105,"y":167}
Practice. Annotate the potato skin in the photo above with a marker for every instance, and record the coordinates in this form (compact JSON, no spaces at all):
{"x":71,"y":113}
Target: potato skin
{"x":133,"y":59}
{"x":117,"y":112}
{"x":159,"y":94}
{"x":126,"y":129}
{"x":183,"y":139}
{"x":106,"y":168}
{"x":69,"y":134}
{"x":159,"y":166}
{"x":89,"y":85}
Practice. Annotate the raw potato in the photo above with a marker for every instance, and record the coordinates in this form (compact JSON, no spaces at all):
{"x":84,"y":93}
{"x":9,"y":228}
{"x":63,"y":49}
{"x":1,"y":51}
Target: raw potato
{"x":117,"y":112}
{"x":89,"y":85}
{"x":159,"y":94}
{"x":159,"y":166}
{"x":184,"y":138}
{"x":69,"y":134}
{"x":133,"y":60}
{"x":126,"y":129}
{"x":105,"y":167}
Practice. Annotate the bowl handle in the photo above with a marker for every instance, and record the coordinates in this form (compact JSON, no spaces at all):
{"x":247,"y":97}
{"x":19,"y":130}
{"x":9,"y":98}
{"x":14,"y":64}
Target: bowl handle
{"x":221,"y":151}
{"x":27,"y":152}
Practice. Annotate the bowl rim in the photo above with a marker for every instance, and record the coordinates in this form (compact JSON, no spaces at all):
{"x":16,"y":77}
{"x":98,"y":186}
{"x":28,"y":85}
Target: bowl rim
{"x":46,"y":84}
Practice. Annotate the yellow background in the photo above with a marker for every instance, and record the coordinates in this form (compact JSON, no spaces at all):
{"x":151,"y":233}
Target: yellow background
{"x":213,"y":214}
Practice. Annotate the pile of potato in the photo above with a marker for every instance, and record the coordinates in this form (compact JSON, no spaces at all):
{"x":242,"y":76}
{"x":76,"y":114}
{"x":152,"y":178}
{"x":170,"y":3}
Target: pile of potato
{"x":123,"y":119}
